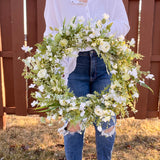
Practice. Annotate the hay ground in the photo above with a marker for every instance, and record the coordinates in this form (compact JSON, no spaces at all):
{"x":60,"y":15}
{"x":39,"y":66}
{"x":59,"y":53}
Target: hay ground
{"x":26,"y":138}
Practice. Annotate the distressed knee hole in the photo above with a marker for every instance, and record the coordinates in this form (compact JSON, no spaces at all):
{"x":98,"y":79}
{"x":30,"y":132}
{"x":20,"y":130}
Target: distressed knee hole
{"x":108,"y":130}
{"x":73,"y":127}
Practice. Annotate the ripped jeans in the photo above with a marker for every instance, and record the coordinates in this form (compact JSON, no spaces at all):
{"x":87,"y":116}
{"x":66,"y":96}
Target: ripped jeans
{"x":90,"y":75}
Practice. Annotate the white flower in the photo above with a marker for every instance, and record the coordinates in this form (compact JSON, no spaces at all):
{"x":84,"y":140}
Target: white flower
{"x":123,"y":47}
{"x":95,"y":33}
{"x":106,"y":119}
{"x":114,"y":105}
{"x":26,"y":62}
{"x":60,"y":30}
{"x":48,"y":96}
{"x":60,"y":112}
{"x":29,"y":59}
{"x":119,"y":99}
{"x":71,"y":108}
{"x":49,"y":118}
{"x":68,"y":101}
{"x":39,"y":58}
{"x":115,"y":66}
{"x":98,"y":111}
{"x":72,"y":19}
{"x":73,"y":98}
{"x":104,"y":46}
{"x":41,"y":88}
{"x":92,"y":35}
{"x":43,"y":104}
{"x":131,"y":84}
{"x":99,"y":23}
{"x":150,"y":76}
{"x":34,"y":103}
{"x":63,"y":42}
{"x":73,"y":104}
{"x":93,"y":44}
{"x":35,"y":67}
{"x":49,"y":48}
{"x":54,"y":116}
{"x":38,"y":95}
{"x":132,"y":42}
{"x":73,"y":25}
{"x":69,"y":50}
{"x":117,"y":84}
{"x":81,"y":19}
{"x":57,"y":61}
{"x":62,"y":102}
{"x":88,"y":39}
{"x":121,"y":38}
{"x":88,"y":103}
{"x":79,"y":41}
{"x":82,"y":106}
{"x":38,"y":51}
{"x":135,"y":95}
{"x":99,"y":128}
{"x":141,"y":82}
{"x":113,"y":72}
{"x":105,"y":97}
{"x":35,"y":79}
{"x":32,"y":85}
{"x":106,"y":103}
{"x":42,"y":73}
{"x":105,"y":16}
{"x":68,"y":32}
{"x":26,"y":48}
{"x":82,"y":113}
{"x":133,"y":73}
{"x":109,"y":112}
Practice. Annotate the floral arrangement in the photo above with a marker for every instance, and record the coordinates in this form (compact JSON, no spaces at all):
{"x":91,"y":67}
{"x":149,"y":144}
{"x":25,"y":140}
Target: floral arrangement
{"x":46,"y":71}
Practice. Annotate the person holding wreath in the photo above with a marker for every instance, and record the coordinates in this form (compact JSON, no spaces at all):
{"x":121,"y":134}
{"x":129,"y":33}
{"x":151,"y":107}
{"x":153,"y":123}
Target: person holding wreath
{"x":87,"y":73}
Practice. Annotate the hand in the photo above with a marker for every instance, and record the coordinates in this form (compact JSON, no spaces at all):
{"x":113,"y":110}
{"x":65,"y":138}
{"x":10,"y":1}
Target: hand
{"x":84,"y":1}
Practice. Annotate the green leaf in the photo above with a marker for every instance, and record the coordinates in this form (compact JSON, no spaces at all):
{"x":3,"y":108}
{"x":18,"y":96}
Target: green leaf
{"x":51,"y":28}
{"x":146,"y":86}
{"x":108,"y":27}
{"x":43,"y":120}
{"x":103,"y":21}
{"x":74,"y":19}
{"x":64,"y":23}
{"x":56,"y":29}
{"x":57,"y":37}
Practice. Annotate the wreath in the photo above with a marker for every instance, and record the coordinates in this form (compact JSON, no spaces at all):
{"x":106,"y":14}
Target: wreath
{"x":47,"y":70}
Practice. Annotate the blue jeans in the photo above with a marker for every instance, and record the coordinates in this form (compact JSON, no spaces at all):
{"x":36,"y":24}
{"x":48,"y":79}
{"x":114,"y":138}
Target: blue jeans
{"x":89,"y":75}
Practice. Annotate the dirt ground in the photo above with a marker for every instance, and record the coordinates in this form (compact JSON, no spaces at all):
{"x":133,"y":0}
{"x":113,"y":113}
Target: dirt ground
{"x":26,"y":138}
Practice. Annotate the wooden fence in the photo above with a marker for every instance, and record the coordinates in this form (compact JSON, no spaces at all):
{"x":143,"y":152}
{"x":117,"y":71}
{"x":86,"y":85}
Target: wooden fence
{"x":13,"y":92}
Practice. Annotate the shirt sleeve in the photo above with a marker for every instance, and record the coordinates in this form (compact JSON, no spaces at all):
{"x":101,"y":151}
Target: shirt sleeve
{"x":50,"y":17}
{"x":119,"y":18}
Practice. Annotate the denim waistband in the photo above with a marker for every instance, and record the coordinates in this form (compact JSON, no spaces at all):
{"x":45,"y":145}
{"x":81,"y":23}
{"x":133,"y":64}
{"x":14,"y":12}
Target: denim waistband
{"x":88,"y":53}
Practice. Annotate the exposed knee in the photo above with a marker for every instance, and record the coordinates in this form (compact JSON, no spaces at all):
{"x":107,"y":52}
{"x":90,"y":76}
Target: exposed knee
{"x":73,"y":127}
{"x":109,"y":131}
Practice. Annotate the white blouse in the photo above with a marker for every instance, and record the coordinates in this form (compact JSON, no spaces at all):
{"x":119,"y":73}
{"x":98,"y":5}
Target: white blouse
{"x":57,"y":10}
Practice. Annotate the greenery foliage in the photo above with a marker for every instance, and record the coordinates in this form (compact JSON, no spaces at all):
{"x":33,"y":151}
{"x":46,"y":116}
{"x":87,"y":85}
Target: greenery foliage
{"x":47,"y":70}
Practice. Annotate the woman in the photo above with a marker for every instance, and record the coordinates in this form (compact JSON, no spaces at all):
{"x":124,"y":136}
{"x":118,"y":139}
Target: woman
{"x":87,"y":73}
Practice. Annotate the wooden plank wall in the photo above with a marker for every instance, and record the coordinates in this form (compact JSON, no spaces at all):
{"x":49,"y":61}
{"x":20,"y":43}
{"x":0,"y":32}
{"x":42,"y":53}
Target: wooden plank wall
{"x":11,"y":22}
{"x":150,"y":48}
{"x":36,"y":27}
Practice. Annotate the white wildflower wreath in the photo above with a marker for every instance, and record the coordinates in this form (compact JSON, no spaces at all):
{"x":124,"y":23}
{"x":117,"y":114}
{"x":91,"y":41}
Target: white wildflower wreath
{"x":47,"y":73}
